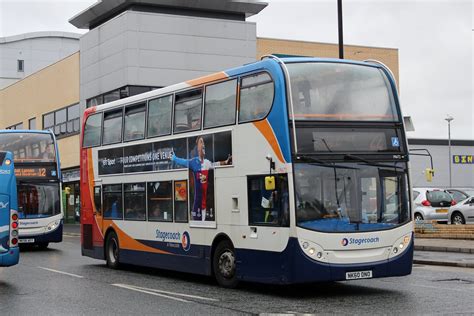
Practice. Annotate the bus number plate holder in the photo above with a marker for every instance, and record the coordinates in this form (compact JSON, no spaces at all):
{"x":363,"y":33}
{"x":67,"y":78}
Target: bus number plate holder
{"x":359,"y":275}
{"x":26,"y":241}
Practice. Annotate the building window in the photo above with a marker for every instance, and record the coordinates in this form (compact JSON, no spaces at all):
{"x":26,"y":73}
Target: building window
{"x":63,"y":122}
{"x":32,"y":123}
{"x":16,"y":126}
{"x":20,"y":65}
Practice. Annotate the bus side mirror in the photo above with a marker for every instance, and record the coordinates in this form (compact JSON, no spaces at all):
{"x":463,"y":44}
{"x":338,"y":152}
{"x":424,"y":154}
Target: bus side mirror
{"x":429,"y":174}
{"x":269,"y":183}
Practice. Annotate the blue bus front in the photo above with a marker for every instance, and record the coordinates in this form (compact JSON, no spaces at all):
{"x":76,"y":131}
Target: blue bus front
{"x":9,"y":251}
{"x":38,"y":183}
{"x":350,"y":172}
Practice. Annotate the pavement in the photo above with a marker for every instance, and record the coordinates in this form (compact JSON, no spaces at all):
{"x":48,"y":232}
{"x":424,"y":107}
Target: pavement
{"x":428,"y":251}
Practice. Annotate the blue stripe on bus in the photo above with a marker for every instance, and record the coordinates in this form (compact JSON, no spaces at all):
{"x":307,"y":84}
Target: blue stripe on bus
{"x":278,"y":117}
{"x":289,"y":266}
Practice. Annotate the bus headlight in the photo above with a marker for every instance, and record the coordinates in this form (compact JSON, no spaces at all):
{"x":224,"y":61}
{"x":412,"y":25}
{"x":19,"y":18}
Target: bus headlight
{"x":52,"y":225}
{"x":400,"y":245}
{"x":313,"y":250}
{"x":8,"y":162}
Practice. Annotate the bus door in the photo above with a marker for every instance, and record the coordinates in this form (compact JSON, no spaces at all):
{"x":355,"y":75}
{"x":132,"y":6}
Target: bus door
{"x":269,"y":219}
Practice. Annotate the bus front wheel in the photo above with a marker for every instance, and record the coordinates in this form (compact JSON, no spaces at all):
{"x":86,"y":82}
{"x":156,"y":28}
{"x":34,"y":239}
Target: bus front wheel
{"x":224,"y":265}
{"x":112,"y":251}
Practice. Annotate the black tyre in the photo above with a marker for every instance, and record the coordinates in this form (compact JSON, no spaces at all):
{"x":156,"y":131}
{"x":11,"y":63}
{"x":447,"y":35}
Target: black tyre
{"x":457,"y":219}
{"x":418,"y":217}
{"x":224,"y":265}
{"x":43,"y":245}
{"x":112,"y":251}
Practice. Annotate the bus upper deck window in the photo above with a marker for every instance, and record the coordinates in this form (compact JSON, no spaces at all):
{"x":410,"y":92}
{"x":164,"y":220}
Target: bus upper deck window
{"x":112,"y":127}
{"x":256,"y":97}
{"x":187,"y":111}
{"x":134,"y":122}
{"x":92,"y":131}
{"x":159,"y":116}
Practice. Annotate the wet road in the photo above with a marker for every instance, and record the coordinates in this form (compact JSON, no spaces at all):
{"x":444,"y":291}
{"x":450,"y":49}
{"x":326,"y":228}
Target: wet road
{"x":60,"y":281}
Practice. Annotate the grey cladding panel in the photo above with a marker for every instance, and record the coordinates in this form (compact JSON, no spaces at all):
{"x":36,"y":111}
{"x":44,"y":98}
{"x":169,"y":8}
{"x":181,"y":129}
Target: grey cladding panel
{"x":195,"y":44}
{"x":159,"y":23}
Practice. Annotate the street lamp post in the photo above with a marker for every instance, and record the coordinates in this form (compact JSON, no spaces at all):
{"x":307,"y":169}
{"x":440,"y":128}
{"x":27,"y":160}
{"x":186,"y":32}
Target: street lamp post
{"x":449,"y":118}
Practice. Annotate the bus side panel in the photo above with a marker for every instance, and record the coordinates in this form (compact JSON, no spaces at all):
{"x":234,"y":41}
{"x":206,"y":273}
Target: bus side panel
{"x":173,"y":262}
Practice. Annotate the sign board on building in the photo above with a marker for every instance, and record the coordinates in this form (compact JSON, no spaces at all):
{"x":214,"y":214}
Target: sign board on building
{"x":463,"y":159}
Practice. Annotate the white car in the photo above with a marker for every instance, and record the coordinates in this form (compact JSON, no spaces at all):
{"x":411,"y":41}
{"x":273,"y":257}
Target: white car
{"x":432,"y":204}
{"x":462,"y":213}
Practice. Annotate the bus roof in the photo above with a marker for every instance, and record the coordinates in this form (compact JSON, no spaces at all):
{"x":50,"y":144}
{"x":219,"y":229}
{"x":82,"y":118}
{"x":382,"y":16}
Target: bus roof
{"x":218,"y":76}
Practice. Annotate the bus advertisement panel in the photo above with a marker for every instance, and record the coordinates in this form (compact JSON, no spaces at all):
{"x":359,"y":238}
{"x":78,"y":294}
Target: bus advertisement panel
{"x":9,"y":251}
{"x":271,"y":172}
{"x":38,"y":175}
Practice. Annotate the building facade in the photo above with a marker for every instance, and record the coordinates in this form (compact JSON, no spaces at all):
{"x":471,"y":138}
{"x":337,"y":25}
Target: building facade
{"x":24,"y":54}
{"x":461,"y":159}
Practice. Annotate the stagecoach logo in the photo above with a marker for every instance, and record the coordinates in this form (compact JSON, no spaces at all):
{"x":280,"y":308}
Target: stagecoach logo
{"x":5,"y":171}
{"x":359,"y":241}
{"x":186,"y":241}
{"x":174,"y":239}
{"x":4,"y":205}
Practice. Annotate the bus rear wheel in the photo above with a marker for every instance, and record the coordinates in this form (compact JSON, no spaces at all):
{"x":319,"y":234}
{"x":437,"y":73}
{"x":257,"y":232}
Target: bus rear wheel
{"x":224,"y":266}
{"x":112,"y":251}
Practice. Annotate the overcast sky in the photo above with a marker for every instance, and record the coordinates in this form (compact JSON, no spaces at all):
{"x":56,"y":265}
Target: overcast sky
{"x":434,"y":38}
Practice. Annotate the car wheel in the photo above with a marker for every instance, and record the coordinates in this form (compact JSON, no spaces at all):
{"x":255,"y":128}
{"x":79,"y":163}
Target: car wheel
{"x":418,"y":217}
{"x":224,"y":265}
{"x":457,"y":219}
{"x":112,"y":251}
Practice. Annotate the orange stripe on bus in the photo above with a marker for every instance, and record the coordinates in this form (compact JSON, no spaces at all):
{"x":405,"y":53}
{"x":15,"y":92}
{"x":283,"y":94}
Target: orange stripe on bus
{"x":209,"y":78}
{"x":267,"y":132}
{"x":127,"y":242}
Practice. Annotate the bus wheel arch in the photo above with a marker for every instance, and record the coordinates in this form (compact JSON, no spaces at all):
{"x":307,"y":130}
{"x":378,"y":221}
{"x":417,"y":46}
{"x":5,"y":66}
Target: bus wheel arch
{"x":223,"y":261}
{"x":112,"y":249}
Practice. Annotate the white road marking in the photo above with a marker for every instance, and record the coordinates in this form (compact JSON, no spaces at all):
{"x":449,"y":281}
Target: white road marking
{"x":61,"y":272}
{"x":129,"y":287}
{"x":178,"y":294}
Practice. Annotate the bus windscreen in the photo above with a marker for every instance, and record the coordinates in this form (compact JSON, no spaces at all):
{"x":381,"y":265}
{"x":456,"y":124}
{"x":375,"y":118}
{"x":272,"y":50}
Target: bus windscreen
{"x":29,"y":147}
{"x":326,"y":91}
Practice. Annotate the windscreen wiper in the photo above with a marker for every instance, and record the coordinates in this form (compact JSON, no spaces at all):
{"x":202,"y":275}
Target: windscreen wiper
{"x":371,"y":163}
{"x":309,"y":159}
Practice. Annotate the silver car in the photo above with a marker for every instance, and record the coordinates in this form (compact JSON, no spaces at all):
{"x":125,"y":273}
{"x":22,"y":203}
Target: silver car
{"x":431,"y":204}
{"x":462,"y":213}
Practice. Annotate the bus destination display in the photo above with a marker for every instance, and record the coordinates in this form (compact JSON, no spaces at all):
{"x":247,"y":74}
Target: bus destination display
{"x":35,"y":172}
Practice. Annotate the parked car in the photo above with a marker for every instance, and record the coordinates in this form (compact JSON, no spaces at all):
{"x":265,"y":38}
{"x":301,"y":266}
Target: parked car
{"x":432,"y":204}
{"x":460,"y":194}
{"x":462,"y":213}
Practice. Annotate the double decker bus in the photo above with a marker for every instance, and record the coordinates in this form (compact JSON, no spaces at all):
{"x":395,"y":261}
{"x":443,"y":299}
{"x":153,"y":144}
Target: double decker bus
{"x":282,"y":171}
{"x":38,"y":175}
{"x":9,"y":251}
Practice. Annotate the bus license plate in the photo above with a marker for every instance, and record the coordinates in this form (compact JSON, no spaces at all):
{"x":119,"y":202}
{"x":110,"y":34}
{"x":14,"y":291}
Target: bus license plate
{"x":359,"y":275}
{"x":26,"y":241}
{"x":442,"y":210}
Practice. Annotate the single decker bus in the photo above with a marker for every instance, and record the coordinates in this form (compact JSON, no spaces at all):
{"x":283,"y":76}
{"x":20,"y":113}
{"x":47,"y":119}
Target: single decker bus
{"x":38,"y":175}
{"x":9,"y":251}
{"x":286,"y":170}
